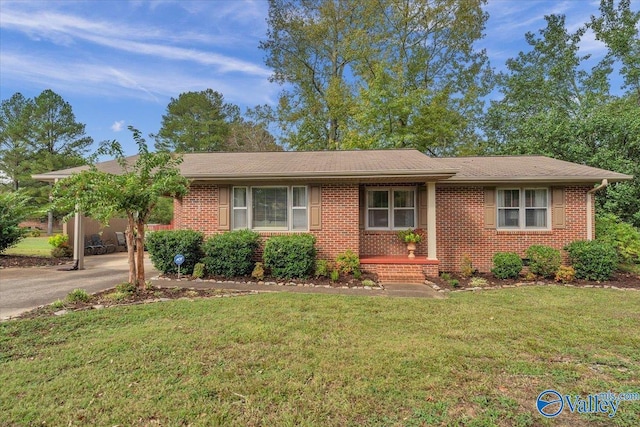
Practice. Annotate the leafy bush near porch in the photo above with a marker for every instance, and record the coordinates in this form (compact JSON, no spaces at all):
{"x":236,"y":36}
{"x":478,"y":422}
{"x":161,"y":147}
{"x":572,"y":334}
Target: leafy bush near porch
{"x":291,"y":256}
{"x":347,"y":262}
{"x":544,"y":260}
{"x":506,"y":265}
{"x":592,"y":260}
{"x":164,"y":245}
{"x":230,"y":254}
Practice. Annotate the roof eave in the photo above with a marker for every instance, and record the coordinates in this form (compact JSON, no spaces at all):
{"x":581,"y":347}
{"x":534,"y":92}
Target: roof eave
{"x":440,"y":175}
{"x":545,"y":179}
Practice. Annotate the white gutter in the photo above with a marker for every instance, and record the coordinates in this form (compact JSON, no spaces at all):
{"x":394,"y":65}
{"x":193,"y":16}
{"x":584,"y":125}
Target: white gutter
{"x":590,"y":207}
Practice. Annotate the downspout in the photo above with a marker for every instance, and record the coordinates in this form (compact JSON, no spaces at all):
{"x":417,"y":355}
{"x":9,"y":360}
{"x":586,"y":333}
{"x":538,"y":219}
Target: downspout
{"x":603,"y":184}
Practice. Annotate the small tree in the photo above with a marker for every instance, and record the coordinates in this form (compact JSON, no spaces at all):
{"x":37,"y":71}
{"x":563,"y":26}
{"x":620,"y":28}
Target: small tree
{"x":134,"y":192}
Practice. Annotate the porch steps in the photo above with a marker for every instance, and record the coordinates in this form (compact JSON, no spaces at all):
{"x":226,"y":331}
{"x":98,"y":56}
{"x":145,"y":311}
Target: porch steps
{"x":396,"y":269}
{"x":408,"y":278}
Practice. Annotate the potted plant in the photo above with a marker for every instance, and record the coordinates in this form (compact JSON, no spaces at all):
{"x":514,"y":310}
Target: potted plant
{"x":411,"y":237}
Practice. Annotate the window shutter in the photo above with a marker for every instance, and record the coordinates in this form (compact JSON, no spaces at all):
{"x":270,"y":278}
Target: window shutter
{"x":362,"y":200}
{"x":315,"y":207}
{"x":223,"y":208}
{"x":423,"y":205}
{"x":558,"y":208}
{"x":489,"y":207}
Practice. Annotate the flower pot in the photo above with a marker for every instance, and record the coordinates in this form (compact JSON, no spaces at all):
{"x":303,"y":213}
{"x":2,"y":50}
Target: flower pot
{"x":411,"y":247}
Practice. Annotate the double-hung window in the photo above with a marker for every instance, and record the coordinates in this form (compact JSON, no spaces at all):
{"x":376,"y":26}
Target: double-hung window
{"x":391,"y":208}
{"x":270,"y":208}
{"x":523,"y":208}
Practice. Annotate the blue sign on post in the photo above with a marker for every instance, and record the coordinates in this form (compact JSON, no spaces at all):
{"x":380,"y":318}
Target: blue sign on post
{"x":178,"y":259}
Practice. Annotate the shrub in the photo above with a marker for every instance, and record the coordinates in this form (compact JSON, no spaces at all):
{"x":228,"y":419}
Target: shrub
{"x":357,"y":274}
{"x":290,"y":256}
{"x":565,"y":274}
{"x":57,"y":304}
{"x":592,"y":260}
{"x":14,"y":208}
{"x":322,"y":268}
{"x":63,"y":251}
{"x":506,"y":265}
{"x":466,"y":267}
{"x":230,"y":254}
{"x":368,"y":282}
{"x":543,"y":260}
{"x":347,"y":262}
{"x":34,"y":232}
{"x":258,"y":271}
{"x":164,"y":245}
{"x":78,"y":295}
{"x":478,"y":282}
{"x":126,"y":288}
{"x":58,"y":240}
{"x":198,"y":271}
{"x":335,"y":275}
{"x":625,"y":237}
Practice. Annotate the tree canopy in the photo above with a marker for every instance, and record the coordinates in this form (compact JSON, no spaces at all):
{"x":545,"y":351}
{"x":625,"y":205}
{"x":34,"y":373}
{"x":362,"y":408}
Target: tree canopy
{"x":133,"y":193}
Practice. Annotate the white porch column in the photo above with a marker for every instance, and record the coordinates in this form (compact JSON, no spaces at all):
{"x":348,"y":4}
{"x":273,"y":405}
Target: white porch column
{"x":431,"y":221}
{"x":78,"y":240}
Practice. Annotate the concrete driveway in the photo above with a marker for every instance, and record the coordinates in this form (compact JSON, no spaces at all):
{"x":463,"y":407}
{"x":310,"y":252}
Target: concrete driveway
{"x":22,"y":289}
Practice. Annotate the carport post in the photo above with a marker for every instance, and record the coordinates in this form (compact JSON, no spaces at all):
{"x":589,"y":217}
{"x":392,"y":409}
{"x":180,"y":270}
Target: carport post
{"x":78,"y":244}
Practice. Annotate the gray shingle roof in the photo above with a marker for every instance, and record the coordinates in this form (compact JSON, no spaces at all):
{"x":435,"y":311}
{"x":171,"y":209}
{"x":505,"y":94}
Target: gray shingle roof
{"x":393,"y":165}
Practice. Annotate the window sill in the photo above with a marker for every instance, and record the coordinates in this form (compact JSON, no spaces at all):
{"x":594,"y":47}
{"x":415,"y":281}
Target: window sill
{"x":525,"y":231}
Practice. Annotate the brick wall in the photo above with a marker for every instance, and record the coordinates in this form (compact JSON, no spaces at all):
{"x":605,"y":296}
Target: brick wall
{"x":460,"y":228}
{"x":198,"y":210}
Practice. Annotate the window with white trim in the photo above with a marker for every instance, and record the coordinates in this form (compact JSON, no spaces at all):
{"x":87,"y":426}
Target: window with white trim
{"x":391,"y":208}
{"x":523,"y":208}
{"x":270,"y":208}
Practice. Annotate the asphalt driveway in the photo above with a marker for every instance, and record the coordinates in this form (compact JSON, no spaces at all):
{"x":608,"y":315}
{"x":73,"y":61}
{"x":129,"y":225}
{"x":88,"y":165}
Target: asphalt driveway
{"x":22,"y":289}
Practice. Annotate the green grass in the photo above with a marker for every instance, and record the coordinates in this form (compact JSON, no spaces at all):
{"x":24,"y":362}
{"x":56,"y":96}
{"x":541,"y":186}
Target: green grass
{"x":31,"y":246}
{"x":474,"y":359}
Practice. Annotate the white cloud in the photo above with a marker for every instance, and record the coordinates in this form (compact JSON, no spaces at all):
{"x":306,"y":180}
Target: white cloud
{"x":117,"y":125}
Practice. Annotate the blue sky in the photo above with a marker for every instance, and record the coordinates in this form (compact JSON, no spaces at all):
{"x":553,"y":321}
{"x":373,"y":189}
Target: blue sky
{"x":118,"y":62}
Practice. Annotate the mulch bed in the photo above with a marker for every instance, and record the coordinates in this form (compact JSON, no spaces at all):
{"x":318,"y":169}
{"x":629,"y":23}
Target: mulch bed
{"x":343,"y":281}
{"x":7,"y":261}
{"x":619,"y":280}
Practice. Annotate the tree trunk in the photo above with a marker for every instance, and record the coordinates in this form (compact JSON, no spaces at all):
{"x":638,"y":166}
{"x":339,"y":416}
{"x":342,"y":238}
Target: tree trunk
{"x":130,"y":248}
{"x":140,"y":279}
{"x":50,"y":223}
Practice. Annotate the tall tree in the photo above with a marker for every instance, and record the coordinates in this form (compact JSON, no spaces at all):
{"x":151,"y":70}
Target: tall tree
{"x":196,"y":122}
{"x":16,"y":150}
{"x":134,"y":193}
{"x":554,"y":105}
{"x":378,"y":73}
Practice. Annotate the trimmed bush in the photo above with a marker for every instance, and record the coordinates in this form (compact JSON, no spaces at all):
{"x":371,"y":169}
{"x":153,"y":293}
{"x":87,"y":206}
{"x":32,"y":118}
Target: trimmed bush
{"x":544,"y":260}
{"x":164,"y":245}
{"x":322,"y":268}
{"x":592,"y":260}
{"x":198,"y":271}
{"x":230,"y":254}
{"x":290,"y":256}
{"x":506,"y":265}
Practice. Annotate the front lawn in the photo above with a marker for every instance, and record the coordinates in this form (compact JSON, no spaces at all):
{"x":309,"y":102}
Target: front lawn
{"x":31,"y":246}
{"x":474,"y":359}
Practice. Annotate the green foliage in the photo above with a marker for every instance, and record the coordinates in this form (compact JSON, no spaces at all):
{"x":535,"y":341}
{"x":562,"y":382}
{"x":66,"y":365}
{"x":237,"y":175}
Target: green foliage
{"x":230,"y":254}
{"x":506,"y":265}
{"x":58,"y":240}
{"x":334,"y":275}
{"x":478,"y":282}
{"x":78,"y":295}
{"x":592,"y":260}
{"x":322,"y":268}
{"x":258,"y":271}
{"x":357,"y":273}
{"x":565,"y":274}
{"x":624,"y":236}
{"x":198,"y":271}
{"x":543,"y":260}
{"x":163,"y":246}
{"x":14,"y":208}
{"x":63,"y":251}
{"x":347,"y":262}
{"x":126,"y":288}
{"x":162,"y":213}
{"x":368,"y":282}
{"x":290,"y":256}
{"x":57,"y":304}
{"x":34,"y":232}
{"x":410,"y":235}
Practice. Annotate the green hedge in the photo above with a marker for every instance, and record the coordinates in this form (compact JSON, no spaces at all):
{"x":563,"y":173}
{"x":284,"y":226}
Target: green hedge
{"x":230,"y":254}
{"x":290,"y":256}
{"x":164,"y":245}
{"x":544,"y":260}
{"x":592,"y":260}
{"x":625,"y":237}
{"x":506,"y":265}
